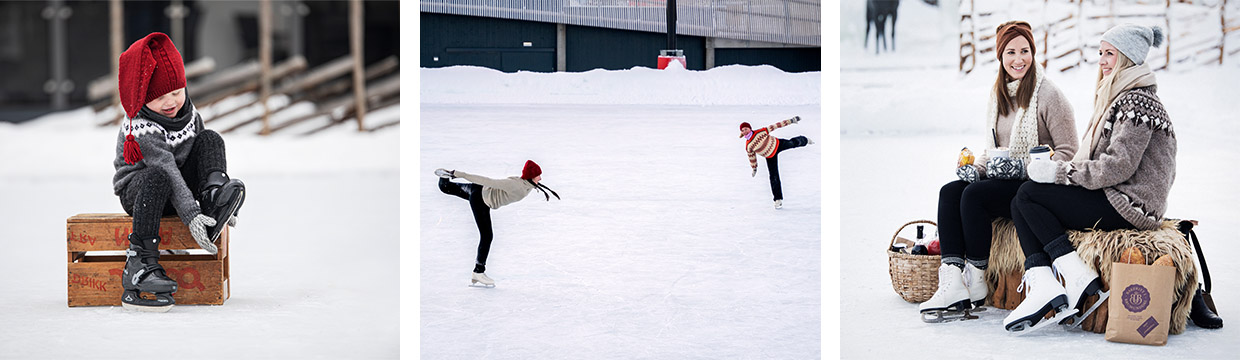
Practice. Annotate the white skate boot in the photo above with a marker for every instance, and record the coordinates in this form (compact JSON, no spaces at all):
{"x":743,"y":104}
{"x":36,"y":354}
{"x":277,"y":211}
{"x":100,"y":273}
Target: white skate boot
{"x":975,"y":281}
{"x":481,"y":278}
{"x":1079,"y":283}
{"x":1043,"y":294}
{"x":440,"y":172}
{"x":779,"y":204}
{"x":809,"y":141}
{"x":951,"y":299}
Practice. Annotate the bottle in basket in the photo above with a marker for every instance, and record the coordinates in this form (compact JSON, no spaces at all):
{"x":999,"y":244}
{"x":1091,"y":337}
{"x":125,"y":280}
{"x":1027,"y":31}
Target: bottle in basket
{"x":920,"y":247}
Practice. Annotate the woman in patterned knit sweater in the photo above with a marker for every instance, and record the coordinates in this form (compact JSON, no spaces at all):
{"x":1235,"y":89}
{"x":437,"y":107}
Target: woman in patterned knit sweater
{"x":1025,"y":109}
{"x":760,"y":142}
{"x":486,"y":194}
{"x":166,"y":163}
{"x":1118,"y":180}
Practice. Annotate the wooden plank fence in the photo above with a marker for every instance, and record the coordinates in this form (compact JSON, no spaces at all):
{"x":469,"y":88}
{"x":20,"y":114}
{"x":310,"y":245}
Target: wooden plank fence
{"x":1066,"y":32}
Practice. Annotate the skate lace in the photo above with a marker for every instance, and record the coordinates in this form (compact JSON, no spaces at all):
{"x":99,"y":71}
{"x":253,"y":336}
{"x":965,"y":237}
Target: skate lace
{"x":1024,"y":279}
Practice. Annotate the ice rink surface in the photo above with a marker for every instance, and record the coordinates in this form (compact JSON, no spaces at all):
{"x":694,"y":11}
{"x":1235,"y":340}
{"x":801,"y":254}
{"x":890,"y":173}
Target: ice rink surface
{"x":663,"y":246}
{"x":313,"y":258}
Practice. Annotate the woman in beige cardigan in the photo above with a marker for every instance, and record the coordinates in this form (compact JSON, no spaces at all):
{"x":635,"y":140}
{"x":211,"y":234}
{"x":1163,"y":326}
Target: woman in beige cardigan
{"x":1026,"y":109}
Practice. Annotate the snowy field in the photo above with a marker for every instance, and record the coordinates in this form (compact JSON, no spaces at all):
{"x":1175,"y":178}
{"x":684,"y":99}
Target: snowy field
{"x":902,"y":126}
{"x":314,"y":257}
{"x":663,"y":246}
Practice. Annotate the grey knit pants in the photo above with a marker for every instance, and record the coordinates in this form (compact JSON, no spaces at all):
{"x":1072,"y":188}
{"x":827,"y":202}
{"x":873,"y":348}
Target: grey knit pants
{"x":149,"y":196}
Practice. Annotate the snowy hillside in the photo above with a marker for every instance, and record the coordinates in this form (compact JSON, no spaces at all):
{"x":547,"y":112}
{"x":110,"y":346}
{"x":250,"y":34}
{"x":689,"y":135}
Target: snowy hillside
{"x":663,"y":246}
{"x":901,"y":128}
{"x":320,"y":211}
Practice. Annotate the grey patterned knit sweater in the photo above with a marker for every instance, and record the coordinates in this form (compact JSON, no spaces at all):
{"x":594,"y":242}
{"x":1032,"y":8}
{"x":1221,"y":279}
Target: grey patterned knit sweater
{"x":1133,"y":161}
{"x":165,"y":145}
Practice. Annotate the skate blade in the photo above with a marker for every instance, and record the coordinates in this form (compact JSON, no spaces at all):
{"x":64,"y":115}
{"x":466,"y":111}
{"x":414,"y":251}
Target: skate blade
{"x":1076,"y":321}
{"x":481,"y":285}
{"x":153,"y":309}
{"x":1044,"y":323}
{"x":938,"y":316}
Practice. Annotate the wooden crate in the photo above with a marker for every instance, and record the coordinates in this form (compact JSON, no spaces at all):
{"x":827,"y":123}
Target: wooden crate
{"x":95,"y":280}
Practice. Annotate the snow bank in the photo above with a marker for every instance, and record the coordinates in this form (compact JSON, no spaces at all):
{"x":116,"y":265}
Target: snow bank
{"x":725,"y":85}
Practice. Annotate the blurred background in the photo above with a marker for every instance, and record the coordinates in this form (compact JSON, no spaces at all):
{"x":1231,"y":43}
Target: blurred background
{"x":61,"y":55}
{"x":582,"y":35}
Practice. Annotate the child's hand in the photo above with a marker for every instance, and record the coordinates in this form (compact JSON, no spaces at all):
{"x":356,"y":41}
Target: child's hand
{"x":198,"y":228}
{"x":754,"y":174}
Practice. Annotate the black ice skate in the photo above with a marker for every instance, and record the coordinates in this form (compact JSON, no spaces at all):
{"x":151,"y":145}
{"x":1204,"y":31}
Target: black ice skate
{"x":221,"y":198}
{"x":143,"y":274}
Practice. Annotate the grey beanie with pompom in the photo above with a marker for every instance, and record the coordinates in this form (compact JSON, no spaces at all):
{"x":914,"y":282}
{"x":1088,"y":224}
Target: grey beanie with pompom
{"x":1134,"y":41}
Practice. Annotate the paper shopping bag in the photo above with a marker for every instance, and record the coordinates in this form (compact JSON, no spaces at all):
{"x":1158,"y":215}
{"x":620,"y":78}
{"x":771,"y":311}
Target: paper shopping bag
{"x":1140,"y":303}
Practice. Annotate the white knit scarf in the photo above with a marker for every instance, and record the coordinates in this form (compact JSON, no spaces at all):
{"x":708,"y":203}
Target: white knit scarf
{"x":1024,"y":134}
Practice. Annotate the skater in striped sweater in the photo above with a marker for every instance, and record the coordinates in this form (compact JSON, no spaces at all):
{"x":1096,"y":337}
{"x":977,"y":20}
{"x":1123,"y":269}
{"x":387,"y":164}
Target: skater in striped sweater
{"x":760,"y":142}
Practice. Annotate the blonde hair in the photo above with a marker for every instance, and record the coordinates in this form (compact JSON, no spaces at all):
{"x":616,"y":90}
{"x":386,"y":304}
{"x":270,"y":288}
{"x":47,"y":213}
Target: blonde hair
{"x":1102,"y":88}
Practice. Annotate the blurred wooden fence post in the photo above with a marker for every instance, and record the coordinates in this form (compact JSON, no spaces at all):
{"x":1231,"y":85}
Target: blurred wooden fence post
{"x":116,"y":28}
{"x":359,"y":77}
{"x":264,"y":55}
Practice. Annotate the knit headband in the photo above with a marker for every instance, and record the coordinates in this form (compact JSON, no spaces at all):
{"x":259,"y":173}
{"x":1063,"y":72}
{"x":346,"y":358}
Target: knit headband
{"x":1010,"y":30}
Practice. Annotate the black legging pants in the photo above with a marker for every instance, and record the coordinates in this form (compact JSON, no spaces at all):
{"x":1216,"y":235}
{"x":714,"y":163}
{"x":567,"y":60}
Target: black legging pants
{"x":148,"y":197}
{"x":772,"y":163}
{"x":966,"y":211}
{"x":1044,"y":212}
{"x":482,"y":216}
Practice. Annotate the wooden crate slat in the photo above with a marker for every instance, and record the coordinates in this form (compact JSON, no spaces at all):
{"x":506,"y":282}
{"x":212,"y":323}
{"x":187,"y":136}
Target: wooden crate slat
{"x":106,"y":232}
{"x":99,"y":283}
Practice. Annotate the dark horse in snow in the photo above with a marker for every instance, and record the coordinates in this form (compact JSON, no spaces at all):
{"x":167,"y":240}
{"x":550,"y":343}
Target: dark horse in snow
{"x":876,"y":14}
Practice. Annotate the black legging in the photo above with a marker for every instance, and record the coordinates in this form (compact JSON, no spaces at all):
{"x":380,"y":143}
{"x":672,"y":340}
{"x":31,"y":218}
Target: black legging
{"x":1044,"y":212}
{"x":482,"y":216}
{"x":148,"y":196}
{"x":772,"y":163}
{"x":966,"y":211}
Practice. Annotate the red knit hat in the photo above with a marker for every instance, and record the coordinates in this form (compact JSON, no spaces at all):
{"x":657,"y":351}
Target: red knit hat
{"x":746,"y":125}
{"x":150,"y":68}
{"x":531,"y":170}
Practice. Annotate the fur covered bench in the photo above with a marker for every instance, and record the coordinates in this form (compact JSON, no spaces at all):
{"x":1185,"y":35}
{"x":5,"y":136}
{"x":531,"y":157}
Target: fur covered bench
{"x":1098,"y":249}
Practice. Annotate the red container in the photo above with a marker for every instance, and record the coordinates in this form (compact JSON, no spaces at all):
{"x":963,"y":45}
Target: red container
{"x":664,"y":60}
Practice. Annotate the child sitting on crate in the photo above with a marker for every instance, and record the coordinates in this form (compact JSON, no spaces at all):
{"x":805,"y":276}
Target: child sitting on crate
{"x":166,"y":163}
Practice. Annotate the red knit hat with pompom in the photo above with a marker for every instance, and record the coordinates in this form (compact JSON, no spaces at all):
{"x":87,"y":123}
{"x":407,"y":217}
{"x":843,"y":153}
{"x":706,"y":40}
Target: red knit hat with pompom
{"x":150,"y":68}
{"x":531,"y":170}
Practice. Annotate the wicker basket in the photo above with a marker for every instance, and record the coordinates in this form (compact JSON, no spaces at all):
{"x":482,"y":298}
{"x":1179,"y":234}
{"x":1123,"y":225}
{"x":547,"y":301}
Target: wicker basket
{"x":914,"y":277}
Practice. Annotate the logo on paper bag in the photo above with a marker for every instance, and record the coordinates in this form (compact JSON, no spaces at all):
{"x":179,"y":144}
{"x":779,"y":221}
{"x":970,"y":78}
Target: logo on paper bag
{"x":1136,"y":299}
{"x":1147,"y":327}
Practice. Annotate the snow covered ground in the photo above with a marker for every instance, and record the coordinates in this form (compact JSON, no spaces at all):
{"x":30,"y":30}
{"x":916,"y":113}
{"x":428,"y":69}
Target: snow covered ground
{"x":314,"y":257}
{"x":901,"y":129}
{"x":662,"y":246}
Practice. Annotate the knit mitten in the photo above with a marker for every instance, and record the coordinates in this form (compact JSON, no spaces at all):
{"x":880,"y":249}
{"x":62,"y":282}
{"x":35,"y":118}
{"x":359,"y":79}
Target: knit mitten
{"x":1043,"y":171}
{"x":197,"y":229}
{"x":1005,"y":168}
{"x":968,"y":173}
